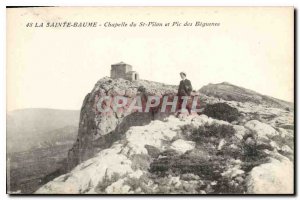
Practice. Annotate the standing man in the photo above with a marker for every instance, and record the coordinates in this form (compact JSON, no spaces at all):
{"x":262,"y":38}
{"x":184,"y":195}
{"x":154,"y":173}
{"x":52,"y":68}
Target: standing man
{"x":185,"y":89}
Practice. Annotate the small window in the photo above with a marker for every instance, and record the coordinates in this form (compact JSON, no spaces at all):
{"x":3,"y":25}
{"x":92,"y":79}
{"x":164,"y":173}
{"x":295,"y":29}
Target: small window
{"x":135,"y":76}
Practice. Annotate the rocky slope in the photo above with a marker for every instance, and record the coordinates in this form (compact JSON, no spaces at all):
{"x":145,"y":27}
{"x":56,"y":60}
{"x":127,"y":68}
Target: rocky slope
{"x":229,"y":92}
{"x":250,"y":150}
{"x":98,"y":130}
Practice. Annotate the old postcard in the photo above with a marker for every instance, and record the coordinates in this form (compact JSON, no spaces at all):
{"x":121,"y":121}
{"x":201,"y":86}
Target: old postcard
{"x":150,"y":100}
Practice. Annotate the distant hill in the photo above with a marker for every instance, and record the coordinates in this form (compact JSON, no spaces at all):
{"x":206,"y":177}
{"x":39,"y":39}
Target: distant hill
{"x":230,"y":92}
{"x":29,"y":128}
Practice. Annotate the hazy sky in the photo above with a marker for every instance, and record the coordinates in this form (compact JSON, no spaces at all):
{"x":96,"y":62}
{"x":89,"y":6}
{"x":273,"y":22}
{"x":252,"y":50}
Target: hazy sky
{"x":57,"y":67}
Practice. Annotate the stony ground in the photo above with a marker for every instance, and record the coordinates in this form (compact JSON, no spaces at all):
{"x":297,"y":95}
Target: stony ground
{"x":250,"y":153}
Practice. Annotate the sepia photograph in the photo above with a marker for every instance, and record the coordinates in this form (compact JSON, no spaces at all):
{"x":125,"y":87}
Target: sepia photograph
{"x":150,"y":100}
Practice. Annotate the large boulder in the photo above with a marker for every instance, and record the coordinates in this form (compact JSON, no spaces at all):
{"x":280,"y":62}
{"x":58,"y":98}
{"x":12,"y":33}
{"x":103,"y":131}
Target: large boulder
{"x":183,"y":146}
{"x":275,"y":177}
{"x":262,"y":130}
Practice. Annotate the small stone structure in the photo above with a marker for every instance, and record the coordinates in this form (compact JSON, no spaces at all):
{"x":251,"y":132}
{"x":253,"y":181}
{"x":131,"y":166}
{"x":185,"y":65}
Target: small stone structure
{"x":123,"y":70}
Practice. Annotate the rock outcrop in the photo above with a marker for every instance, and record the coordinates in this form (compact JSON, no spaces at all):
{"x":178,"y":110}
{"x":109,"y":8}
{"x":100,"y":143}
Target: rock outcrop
{"x":98,"y":130}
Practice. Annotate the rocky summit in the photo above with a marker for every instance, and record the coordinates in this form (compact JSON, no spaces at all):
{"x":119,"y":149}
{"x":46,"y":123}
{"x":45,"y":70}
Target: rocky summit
{"x":98,"y":130}
{"x":233,"y":146}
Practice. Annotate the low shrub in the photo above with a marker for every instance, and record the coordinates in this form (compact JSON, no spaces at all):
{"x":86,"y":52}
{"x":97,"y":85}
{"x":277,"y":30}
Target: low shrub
{"x":221,"y":111}
{"x":107,"y":181}
{"x":212,"y":133}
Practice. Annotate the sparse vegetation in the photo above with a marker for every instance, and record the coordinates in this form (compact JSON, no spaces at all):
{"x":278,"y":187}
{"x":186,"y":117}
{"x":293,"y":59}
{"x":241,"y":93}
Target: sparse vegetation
{"x":30,"y":169}
{"x":209,"y":162}
{"x":107,"y":181}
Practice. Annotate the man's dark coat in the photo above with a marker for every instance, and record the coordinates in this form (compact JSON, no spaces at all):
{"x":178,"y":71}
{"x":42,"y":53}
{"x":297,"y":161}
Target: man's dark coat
{"x":185,"y":88}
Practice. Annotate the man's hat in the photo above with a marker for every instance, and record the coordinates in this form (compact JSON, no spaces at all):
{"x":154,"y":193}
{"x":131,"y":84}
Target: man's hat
{"x":183,"y":73}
